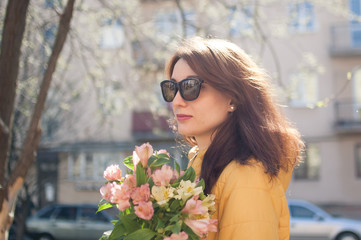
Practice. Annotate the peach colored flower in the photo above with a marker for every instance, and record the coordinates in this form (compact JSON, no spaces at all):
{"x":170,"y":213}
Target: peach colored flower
{"x":199,"y":226}
{"x":142,"y":153}
{"x":122,"y":205}
{"x":194,"y":206}
{"x":162,"y":177}
{"x":120,"y":196}
{"x":106,"y":191}
{"x":112,"y":173}
{"x":179,"y":236}
{"x":144,"y":210}
{"x":131,"y":182}
{"x":141,"y":194}
{"x":212,"y":226}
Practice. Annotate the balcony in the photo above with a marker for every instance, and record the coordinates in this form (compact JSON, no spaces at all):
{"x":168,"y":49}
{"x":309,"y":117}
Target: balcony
{"x":345,"y":40}
{"x":348,"y":117}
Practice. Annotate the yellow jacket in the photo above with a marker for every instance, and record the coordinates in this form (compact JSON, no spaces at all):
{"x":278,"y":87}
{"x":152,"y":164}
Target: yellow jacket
{"x":249,"y":205}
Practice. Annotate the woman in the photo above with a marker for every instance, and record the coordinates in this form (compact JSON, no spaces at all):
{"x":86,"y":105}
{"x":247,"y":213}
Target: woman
{"x":245,"y":149}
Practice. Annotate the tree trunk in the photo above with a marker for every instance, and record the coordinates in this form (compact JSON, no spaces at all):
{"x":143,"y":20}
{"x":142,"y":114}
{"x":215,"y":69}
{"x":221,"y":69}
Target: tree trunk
{"x":32,"y":139}
{"x":12,"y":35}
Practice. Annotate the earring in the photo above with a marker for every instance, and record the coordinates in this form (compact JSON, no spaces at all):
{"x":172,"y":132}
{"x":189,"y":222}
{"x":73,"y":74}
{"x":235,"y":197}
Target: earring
{"x":232,"y":108}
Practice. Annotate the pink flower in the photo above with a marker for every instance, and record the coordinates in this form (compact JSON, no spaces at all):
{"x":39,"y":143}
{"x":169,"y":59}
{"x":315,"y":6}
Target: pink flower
{"x":199,"y":227}
{"x":131,"y":182}
{"x":120,"y":196}
{"x":212,"y":227}
{"x":106,"y":191}
{"x":141,"y":194}
{"x":175,"y":175}
{"x":122,"y":205}
{"x":162,"y":177}
{"x":144,"y":210}
{"x":112,"y":173}
{"x":142,"y":154}
{"x":180,"y":236}
{"x":194,"y":206}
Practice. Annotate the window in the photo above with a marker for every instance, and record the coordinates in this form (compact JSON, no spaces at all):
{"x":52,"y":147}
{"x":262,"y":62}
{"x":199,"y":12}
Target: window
{"x":301,"y":212}
{"x":355,"y":26}
{"x":309,"y":168}
{"x":67,"y":213}
{"x":91,"y":214}
{"x":112,"y":34}
{"x":358,"y":160}
{"x":302,"y":17}
{"x":304,"y":89}
{"x":91,"y":165}
{"x":241,"y":21}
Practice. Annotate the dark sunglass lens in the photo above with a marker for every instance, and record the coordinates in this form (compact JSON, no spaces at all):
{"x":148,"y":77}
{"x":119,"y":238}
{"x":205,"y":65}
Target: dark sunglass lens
{"x":169,"y":90}
{"x":190,"y":89}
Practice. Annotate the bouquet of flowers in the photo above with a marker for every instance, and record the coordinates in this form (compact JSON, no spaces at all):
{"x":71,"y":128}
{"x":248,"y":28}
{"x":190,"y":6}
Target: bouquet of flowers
{"x":156,"y":201}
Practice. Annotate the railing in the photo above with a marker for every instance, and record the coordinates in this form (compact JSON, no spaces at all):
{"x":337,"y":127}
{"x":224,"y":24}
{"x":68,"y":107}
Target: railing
{"x":348,"y":116}
{"x":345,"y":40}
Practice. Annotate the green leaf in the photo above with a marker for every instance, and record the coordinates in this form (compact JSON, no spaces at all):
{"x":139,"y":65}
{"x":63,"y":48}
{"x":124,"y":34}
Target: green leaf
{"x":104,"y":206}
{"x":141,"y":175}
{"x":174,"y":205}
{"x":143,"y":234}
{"x":118,"y":231}
{"x":151,"y":159}
{"x":174,"y":228}
{"x":190,"y":174}
{"x":159,"y":162}
{"x":177,"y":167}
{"x":163,"y":155}
{"x":160,"y":224}
{"x":151,"y":183}
{"x":128,"y":162}
{"x":129,"y":222}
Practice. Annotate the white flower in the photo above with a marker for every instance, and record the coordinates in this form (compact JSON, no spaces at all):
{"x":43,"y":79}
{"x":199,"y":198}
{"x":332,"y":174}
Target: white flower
{"x":187,"y":189}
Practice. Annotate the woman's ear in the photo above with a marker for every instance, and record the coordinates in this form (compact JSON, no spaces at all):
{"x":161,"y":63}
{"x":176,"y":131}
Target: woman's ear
{"x":231,"y":106}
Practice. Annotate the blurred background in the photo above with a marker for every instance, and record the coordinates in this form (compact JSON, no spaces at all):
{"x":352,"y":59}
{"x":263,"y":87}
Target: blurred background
{"x":105,"y":98}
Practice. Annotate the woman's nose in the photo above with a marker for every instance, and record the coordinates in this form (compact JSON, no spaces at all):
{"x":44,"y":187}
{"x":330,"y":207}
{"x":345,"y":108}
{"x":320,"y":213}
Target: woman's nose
{"x":178,"y":100}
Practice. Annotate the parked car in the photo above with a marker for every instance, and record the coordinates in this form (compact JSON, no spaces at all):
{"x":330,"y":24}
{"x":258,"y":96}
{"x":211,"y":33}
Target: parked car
{"x":66,"y":222}
{"x":309,"y":221}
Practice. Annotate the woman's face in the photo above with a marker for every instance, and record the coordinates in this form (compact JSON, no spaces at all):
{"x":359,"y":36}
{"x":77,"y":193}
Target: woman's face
{"x":200,"y":117}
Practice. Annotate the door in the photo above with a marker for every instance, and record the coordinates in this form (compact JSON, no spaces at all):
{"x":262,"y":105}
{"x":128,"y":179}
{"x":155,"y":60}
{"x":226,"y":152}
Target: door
{"x":91,"y":225}
{"x":308,"y":225}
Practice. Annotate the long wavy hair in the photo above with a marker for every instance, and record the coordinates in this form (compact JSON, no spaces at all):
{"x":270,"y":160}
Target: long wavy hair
{"x":257,"y":128}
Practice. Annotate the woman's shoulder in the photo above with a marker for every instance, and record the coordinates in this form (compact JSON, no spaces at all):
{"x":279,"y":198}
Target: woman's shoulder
{"x":252,"y":174}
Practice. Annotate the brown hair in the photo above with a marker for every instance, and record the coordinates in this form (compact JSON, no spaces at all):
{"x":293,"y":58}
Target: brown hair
{"x":256,"y":128}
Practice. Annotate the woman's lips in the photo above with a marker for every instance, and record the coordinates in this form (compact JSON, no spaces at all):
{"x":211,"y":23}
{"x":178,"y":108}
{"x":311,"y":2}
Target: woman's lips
{"x":183,"y":117}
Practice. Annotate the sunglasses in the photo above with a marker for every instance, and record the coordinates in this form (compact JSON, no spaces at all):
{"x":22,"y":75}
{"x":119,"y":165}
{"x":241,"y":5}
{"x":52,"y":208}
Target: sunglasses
{"x":189,"y":88}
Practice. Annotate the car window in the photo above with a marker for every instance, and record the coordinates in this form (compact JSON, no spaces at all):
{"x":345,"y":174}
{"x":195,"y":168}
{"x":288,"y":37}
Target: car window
{"x":46,"y":213}
{"x":301,"y":212}
{"x":90,"y":214}
{"x":66,"y":213}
